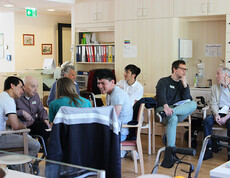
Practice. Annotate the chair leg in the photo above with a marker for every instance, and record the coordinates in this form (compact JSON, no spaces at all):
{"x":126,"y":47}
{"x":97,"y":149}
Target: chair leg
{"x":135,"y":161}
{"x":140,"y":152}
{"x":189,"y":135}
{"x":182,"y":136}
{"x":149,"y":131}
{"x":153,"y":136}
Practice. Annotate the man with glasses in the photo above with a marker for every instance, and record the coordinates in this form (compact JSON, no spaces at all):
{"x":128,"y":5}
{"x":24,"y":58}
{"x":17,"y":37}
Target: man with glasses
{"x":174,"y":102}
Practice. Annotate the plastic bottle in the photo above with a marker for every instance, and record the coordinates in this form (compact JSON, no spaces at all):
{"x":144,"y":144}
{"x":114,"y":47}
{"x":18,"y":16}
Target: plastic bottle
{"x":196,"y":81}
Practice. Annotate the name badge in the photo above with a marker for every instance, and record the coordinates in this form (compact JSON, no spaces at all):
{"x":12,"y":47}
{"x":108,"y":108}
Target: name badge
{"x":171,"y":86}
{"x":33,"y":102}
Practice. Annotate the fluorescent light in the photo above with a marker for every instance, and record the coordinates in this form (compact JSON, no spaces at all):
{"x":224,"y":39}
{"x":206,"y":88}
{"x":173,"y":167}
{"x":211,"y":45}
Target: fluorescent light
{"x":63,"y":1}
{"x":8,"y":5}
{"x":51,"y":10}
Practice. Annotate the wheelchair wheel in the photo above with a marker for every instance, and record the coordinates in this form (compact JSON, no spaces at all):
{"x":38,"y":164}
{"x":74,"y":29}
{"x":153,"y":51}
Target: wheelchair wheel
{"x":164,"y":139}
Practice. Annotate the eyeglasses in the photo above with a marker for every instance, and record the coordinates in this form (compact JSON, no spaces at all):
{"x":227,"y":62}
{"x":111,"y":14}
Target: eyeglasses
{"x":184,"y":69}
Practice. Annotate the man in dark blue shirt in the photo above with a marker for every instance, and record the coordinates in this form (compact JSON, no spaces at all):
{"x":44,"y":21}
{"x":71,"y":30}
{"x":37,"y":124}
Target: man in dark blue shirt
{"x":169,"y":91}
{"x":67,"y":71}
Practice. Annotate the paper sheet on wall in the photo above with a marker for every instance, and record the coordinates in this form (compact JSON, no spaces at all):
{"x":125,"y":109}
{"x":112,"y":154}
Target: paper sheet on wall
{"x":213,"y":50}
{"x":1,"y":51}
{"x":129,"y":51}
{"x":1,"y":39}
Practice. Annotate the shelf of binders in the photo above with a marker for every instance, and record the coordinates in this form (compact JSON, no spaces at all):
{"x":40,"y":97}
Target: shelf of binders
{"x":95,"y":53}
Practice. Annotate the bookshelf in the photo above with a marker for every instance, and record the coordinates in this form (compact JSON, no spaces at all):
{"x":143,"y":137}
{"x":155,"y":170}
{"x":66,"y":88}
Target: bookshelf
{"x":94,"y":51}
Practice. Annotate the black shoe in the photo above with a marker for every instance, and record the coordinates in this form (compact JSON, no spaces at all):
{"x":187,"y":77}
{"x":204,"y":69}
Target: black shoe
{"x":161,"y":115}
{"x":228,"y":155}
{"x":216,"y":147}
{"x":208,"y":154}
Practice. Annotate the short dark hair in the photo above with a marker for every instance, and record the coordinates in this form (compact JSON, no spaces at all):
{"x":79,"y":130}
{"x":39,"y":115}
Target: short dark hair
{"x":176,"y":64}
{"x":12,"y":80}
{"x":133,"y":69}
{"x":105,"y":74}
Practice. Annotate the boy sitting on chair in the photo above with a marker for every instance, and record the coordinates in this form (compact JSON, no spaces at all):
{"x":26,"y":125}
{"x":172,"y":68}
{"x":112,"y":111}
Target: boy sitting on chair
{"x":116,"y":97}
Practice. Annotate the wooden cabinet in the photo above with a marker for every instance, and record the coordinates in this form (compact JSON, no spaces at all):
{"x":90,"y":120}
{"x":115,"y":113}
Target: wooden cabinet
{"x":94,"y":13}
{"x":156,"y":44}
{"x":183,"y":8}
{"x":139,"y":9}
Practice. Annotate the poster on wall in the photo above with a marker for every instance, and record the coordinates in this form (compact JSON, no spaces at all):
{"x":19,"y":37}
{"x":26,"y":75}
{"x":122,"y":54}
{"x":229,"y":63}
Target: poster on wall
{"x":213,"y":50}
{"x":1,"y":45}
{"x":1,"y":39}
{"x":1,"y":51}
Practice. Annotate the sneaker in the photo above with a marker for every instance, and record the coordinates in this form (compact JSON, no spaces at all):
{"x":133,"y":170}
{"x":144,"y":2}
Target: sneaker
{"x":137,"y":155}
{"x":123,"y":153}
{"x":208,"y":154}
{"x":161,"y":115}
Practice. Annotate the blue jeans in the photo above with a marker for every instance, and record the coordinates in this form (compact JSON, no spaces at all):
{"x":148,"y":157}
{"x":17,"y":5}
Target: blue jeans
{"x":207,"y":127}
{"x":179,"y":114}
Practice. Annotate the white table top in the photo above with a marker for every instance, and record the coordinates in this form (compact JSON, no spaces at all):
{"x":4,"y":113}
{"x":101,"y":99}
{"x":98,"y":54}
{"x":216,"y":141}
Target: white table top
{"x":13,"y":174}
{"x":221,"y":171}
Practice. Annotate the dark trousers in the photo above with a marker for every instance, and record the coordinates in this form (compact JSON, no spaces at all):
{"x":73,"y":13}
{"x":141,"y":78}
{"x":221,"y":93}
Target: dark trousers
{"x":38,"y":128}
{"x":208,"y":124}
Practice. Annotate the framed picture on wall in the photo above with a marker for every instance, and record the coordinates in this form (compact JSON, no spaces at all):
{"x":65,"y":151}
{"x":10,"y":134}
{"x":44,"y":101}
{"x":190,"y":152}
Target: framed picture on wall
{"x":28,"y":39}
{"x":46,"y":49}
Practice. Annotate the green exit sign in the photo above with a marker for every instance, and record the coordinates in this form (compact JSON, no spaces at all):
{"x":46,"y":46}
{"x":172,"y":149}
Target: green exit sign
{"x":31,"y":12}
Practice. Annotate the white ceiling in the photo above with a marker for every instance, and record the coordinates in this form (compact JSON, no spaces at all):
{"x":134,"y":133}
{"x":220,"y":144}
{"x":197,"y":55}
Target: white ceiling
{"x":62,"y":7}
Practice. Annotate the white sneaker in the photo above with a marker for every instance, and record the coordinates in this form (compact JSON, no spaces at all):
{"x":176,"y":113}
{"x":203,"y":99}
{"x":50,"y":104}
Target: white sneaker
{"x":137,"y":155}
{"x":123,"y":153}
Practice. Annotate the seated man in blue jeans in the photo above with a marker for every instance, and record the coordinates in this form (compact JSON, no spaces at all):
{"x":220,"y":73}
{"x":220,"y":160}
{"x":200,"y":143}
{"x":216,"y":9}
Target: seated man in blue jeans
{"x":170,"y":90}
{"x":220,"y":97}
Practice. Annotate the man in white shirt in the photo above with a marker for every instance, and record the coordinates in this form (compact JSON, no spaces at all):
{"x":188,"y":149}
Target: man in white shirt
{"x":13,"y":89}
{"x":132,"y":87}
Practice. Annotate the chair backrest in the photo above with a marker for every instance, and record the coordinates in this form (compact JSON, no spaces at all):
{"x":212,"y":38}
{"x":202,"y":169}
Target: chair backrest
{"x":87,"y":137}
{"x":90,"y":96}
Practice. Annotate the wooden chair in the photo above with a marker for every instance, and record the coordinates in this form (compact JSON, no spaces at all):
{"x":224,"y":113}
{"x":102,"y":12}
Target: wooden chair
{"x":135,"y":145}
{"x":148,"y":125}
{"x":24,"y":133}
{"x":179,"y":124}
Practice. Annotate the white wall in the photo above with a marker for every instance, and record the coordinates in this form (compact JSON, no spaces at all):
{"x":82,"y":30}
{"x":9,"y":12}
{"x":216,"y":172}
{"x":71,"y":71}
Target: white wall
{"x":44,"y":27}
{"x":7,"y":28}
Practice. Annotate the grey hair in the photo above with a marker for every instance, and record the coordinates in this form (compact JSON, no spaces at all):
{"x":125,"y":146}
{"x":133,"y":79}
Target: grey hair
{"x":66,"y":70}
{"x":225,"y":70}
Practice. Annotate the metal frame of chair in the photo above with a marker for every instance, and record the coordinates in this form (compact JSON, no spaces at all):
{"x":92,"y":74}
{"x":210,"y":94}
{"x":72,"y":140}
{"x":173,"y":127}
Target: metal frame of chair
{"x":90,"y":96}
{"x":135,"y":145}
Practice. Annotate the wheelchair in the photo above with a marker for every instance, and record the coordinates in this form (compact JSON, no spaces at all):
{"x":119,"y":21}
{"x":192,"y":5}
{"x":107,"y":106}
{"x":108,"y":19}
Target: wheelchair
{"x":170,"y":156}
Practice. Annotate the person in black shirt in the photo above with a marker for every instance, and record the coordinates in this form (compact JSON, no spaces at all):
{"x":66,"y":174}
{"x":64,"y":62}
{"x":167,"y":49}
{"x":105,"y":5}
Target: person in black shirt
{"x":169,"y":91}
